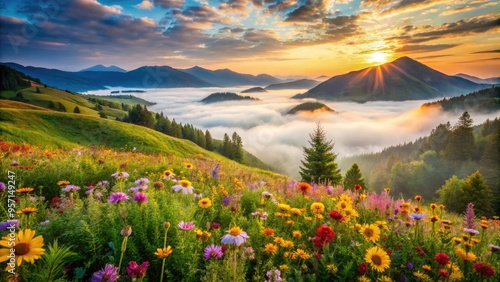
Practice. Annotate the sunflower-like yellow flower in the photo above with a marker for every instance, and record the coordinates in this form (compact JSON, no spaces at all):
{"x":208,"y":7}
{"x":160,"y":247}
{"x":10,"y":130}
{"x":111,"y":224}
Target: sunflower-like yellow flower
{"x":370,"y":232}
{"x":284,"y":207}
{"x":377,"y":258}
{"x":384,"y":278}
{"x":332,"y":268}
{"x":163,"y":253}
{"x":317,"y":207}
{"x":205,"y":203}
{"x":271,"y":249}
{"x":422,"y":276}
{"x":465,"y":255}
{"x":364,"y":279}
{"x":27,"y":210}
{"x":295,"y":211}
{"x":26,"y":247}
{"x":63,"y":182}
{"x":286,"y":244}
{"x":284,"y":267}
{"x":302,"y":254}
{"x":25,"y":190}
{"x":189,"y":165}
{"x":296,"y":234}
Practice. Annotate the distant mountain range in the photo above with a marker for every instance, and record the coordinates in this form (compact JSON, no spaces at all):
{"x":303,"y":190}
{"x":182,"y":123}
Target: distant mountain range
{"x":297,"y":84}
{"x":491,"y":80}
{"x":104,"y":68}
{"x":227,"y":77}
{"x":402,"y":79}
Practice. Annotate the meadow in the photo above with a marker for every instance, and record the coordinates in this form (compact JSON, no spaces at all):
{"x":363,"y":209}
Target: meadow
{"x":103,"y":214}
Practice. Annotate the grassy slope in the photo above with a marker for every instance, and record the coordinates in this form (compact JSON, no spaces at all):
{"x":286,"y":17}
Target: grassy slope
{"x":129,"y":100}
{"x":67,"y":130}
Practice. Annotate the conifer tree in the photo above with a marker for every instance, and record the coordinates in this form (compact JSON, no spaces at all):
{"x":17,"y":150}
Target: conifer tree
{"x":319,"y":163}
{"x":76,"y":110}
{"x":461,"y":144}
{"x":353,"y":176}
{"x":209,"y":141}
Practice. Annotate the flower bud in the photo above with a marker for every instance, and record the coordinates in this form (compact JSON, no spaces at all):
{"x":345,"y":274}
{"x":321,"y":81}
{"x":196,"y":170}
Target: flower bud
{"x":166,"y":225}
{"x":126,"y":231}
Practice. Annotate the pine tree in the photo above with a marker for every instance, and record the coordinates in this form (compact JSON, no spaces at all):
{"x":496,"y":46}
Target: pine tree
{"x":461,"y":144}
{"x":76,"y":110}
{"x":226,"y":146}
{"x":319,"y":164}
{"x":353,"y":176}
{"x":477,"y":192}
{"x":236,"y":148}
{"x":209,"y":141}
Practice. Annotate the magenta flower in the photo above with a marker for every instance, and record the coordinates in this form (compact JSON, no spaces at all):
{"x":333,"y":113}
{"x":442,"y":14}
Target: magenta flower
{"x":137,"y":271}
{"x":71,"y":188}
{"x":119,"y":175}
{"x":186,"y":226}
{"x":107,"y":274}
{"x":118,"y":197}
{"x":140,"y":198}
{"x":470,"y":217}
{"x":213,"y":252}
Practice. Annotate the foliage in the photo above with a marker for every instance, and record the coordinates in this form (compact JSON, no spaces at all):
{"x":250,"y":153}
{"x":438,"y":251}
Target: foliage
{"x":11,"y":79}
{"x":309,"y":107}
{"x":225,"y":96}
{"x":319,"y":163}
{"x":483,"y":101}
{"x":353,"y":176}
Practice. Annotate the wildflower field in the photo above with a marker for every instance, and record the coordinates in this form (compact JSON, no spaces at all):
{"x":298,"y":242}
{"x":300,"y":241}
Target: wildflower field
{"x":95,"y":214}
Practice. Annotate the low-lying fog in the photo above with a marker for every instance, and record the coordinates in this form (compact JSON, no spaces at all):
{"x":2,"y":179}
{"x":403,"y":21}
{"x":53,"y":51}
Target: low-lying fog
{"x":277,"y":139}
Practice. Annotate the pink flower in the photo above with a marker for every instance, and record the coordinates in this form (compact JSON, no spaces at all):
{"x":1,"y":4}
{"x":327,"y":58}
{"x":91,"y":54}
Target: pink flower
{"x":186,"y":226}
{"x":137,"y":271}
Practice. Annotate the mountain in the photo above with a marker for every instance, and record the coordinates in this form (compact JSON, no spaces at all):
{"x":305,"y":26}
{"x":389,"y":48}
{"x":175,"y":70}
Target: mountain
{"x":482,"y":101}
{"x":228,"y":96}
{"x":491,"y":80}
{"x":11,"y":79}
{"x":227,"y":77}
{"x":257,"y":89}
{"x":146,"y":77}
{"x":310,"y":107}
{"x":402,"y":79}
{"x":57,"y":78}
{"x":103,"y":68}
{"x":297,"y":84}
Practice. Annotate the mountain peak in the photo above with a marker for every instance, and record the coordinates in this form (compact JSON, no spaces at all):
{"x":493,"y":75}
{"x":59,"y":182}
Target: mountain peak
{"x":104,"y":68}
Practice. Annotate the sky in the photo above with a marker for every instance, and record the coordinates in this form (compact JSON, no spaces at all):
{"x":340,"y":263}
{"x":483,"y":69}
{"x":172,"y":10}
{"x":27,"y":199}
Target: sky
{"x":278,"y":37}
{"x":277,"y":139}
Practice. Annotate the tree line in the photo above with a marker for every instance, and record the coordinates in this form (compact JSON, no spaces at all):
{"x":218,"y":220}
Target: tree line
{"x":230,"y":148}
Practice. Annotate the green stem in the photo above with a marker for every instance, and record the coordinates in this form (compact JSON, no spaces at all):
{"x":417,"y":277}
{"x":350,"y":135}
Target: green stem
{"x":162,"y":270}
{"x":234,"y":265}
{"x":124,"y":248}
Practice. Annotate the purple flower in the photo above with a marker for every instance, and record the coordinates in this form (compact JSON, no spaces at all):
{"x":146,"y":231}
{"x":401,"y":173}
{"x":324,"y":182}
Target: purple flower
{"x":118,"y":197}
{"x":140,"y":198}
{"x":107,"y":274}
{"x":409,"y":265}
{"x":98,"y":195}
{"x":134,"y":189}
{"x":120,"y":175}
{"x":45,"y":222}
{"x":215,"y":172}
{"x":91,"y":191}
{"x":137,"y":271}
{"x":2,"y":187}
{"x":226,"y":200}
{"x":235,"y":236}
{"x":142,"y":183}
{"x":11,"y":223}
{"x":403,"y":278}
{"x":471,"y":231}
{"x":213,"y":252}
{"x":274,"y":275}
{"x":417,"y":216}
{"x":470,"y":217}
{"x":248,"y":253}
{"x":494,"y":248}
{"x":186,"y":226}
{"x":329,"y":190}
{"x":71,"y":188}
{"x":263,"y":216}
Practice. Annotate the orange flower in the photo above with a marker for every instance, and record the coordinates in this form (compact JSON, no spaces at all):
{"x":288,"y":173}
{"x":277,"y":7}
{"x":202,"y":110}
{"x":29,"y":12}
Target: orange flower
{"x":304,"y":187}
{"x":25,"y":190}
{"x":268,"y":232}
{"x":418,"y":198}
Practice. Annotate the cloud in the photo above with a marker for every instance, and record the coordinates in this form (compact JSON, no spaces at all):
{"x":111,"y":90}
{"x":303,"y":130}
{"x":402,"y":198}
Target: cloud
{"x":169,"y":4}
{"x":406,"y":6}
{"x":475,"y":61}
{"x":425,"y":48}
{"x":432,"y":57}
{"x":145,"y":5}
{"x":457,"y":10}
{"x":486,"y":51}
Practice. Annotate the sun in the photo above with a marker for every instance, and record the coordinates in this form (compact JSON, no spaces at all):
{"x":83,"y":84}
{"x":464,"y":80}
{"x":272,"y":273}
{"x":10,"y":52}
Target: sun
{"x":378,"y":57}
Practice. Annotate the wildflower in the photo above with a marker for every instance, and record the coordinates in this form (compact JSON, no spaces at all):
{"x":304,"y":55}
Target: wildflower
{"x":324,"y":234}
{"x":471,"y":231}
{"x":213,"y":252}
{"x":9,"y":224}
{"x":285,"y":267}
{"x":268,"y":232}
{"x":135,"y":270}
{"x":434,"y":218}
{"x":108,"y":274}
{"x":184,"y":186}
{"x":484,"y":269}
{"x":350,"y":212}
{"x":205,"y":203}
{"x":25,"y":190}
{"x":274,"y":275}
{"x":189,"y":165}
{"x":442,"y":259}
{"x":443,"y":272}
{"x":168,"y":174}
{"x":62,"y":182}
{"x":332,"y":268}
{"x":303,"y":187}
{"x":120,"y":175}
{"x":426,"y":267}
{"x":287,"y":244}
{"x":163,"y":253}
{"x":457,"y":240}
{"x":409,"y":265}
{"x":118,"y":197}
{"x":186,"y":226}
{"x":418,"y":198}
{"x":469,"y":217}
{"x":363,"y":268}
{"x":296,"y":234}
{"x":226,"y":201}
{"x":465,"y":255}
{"x":337,"y":216}
{"x":357,"y":187}
{"x":317,"y":208}
{"x":271,"y":249}
{"x":422,"y":276}
{"x":377,"y":258}
{"x":25,"y":246}
{"x":364,"y":279}
{"x":433,"y":206}
{"x":417,"y":216}
{"x":420,"y":251}
{"x":27,"y":210}
{"x":142,"y":182}
{"x":384,"y":278}
{"x":302,"y":254}
{"x":494,"y":248}
{"x":295,"y":211}
{"x":140,"y":198}
{"x":215,"y":172}
{"x":215,"y":225}
{"x":158,"y":185}
{"x":370,"y":232}
{"x":235,"y":236}
{"x":284,"y":207}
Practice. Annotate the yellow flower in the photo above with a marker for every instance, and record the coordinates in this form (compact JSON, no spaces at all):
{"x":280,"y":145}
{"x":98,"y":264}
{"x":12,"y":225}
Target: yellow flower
{"x":278,"y":240}
{"x":364,"y":279}
{"x":63,"y":182}
{"x":358,"y":226}
{"x":302,"y":254}
{"x":189,"y":165}
{"x":284,"y":267}
{"x":349,"y":212}
{"x":205,"y":203}
{"x":308,"y":218}
{"x":422,"y":276}
{"x":434,"y":206}
{"x":384,"y":279}
{"x":25,"y":190}
{"x":271,"y":249}
{"x":332,"y":268}
{"x":289,"y":222}
{"x":296,"y":234}
{"x":163,"y":253}
{"x":295,"y":211}
{"x":457,"y":240}
{"x":426,"y":267}
{"x":268,"y":232}
{"x":26,"y":247}
{"x":370,"y":232}
{"x":235,"y":231}
{"x":465,"y":255}
{"x":455,"y":273}
{"x":317,"y":208}
{"x":27,"y":210}
{"x":286,"y":244}
{"x":362,"y":196}
{"x":284,"y":207}
{"x":377,"y":258}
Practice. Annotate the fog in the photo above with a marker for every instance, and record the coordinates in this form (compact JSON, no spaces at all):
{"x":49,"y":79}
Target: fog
{"x":277,"y":139}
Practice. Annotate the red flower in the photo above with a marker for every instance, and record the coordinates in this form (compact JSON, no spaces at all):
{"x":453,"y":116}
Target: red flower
{"x":318,"y":242}
{"x":389,"y":251}
{"x":223,"y":248}
{"x":420,"y":251}
{"x":484,"y":269}
{"x":337,"y":216}
{"x":357,"y":187}
{"x":326,"y":233}
{"x":61,"y":211}
{"x":443,"y":272}
{"x":442,"y":259}
{"x":363,"y":268}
